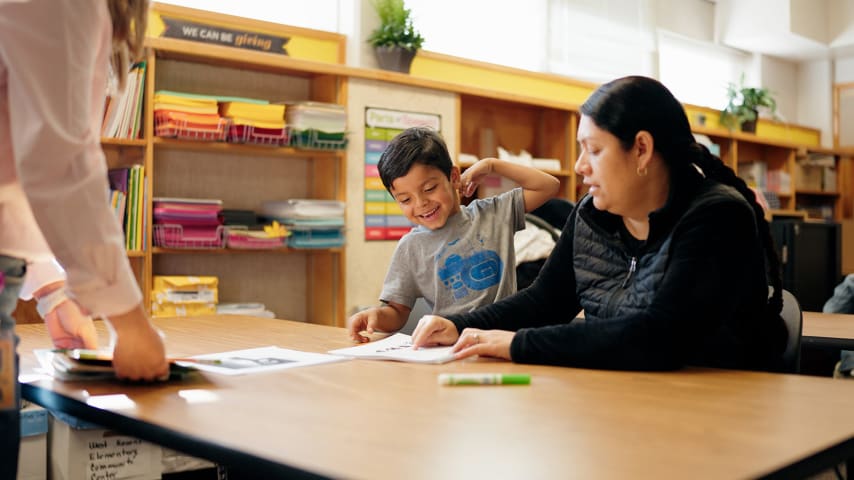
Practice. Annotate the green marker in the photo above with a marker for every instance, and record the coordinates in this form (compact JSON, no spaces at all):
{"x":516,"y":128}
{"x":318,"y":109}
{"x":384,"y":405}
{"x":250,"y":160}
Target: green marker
{"x":484,"y":379}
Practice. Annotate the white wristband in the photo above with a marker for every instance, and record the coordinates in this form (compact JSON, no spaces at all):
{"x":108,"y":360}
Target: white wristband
{"x":49,"y":302}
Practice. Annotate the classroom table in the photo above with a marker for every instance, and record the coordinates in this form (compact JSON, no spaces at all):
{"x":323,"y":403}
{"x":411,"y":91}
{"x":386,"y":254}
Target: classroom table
{"x":834,"y":330}
{"x":368,"y":419}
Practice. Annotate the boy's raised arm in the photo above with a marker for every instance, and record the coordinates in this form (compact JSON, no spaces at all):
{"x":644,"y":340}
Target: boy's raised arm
{"x":537,"y":185}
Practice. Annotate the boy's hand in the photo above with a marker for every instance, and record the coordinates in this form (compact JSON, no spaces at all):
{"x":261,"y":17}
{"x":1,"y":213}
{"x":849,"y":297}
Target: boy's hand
{"x":474,"y":176}
{"x":364,"y":321}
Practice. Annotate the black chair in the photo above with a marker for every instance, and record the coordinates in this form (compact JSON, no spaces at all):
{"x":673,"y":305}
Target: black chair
{"x":551,"y":217}
{"x":793,"y":317}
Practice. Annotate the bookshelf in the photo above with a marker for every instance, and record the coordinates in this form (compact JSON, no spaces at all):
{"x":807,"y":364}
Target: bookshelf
{"x":546,"y":132}
{"x":298,"y":284}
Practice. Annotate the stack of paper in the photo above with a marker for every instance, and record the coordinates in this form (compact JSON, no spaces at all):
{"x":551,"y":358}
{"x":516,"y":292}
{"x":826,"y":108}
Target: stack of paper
{"x":184,"y":295}
{"x":187,"y":116}
{"x":312,"y":223}
{"x":317,"y":125}
{"x":188,"y":222}
{"x":255,"y":122}
{"x":252,"y":309}
{"x":78,"y":364}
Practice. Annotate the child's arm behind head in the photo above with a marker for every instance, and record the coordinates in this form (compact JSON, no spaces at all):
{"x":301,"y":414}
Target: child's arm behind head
{"x":537,"y":185}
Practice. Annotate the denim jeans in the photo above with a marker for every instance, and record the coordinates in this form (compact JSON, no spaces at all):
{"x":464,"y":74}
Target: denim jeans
{"x":10,"y":418}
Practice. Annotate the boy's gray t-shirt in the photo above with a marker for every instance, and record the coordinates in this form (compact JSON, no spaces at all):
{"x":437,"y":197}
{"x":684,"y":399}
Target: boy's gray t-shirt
{"x":468,"y":263}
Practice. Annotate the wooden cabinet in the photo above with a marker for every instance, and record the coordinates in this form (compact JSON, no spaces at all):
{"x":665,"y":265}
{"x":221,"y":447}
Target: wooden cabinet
{"x":543,"y":131}
{"x":798,"y":180}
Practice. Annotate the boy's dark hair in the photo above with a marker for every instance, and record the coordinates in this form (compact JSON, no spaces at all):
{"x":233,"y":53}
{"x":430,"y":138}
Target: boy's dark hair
{"x":413,"y":145}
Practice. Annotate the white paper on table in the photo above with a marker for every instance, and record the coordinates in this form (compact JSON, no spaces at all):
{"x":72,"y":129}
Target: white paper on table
{"x":262,"y":359}
{"x":397,"y":347}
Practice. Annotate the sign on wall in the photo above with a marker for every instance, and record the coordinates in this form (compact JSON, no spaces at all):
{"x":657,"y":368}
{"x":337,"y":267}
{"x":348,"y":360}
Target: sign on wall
{"x":384,"y":220}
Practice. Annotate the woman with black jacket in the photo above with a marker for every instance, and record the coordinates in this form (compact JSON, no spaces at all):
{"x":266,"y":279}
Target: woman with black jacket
{"x":668,"y":255}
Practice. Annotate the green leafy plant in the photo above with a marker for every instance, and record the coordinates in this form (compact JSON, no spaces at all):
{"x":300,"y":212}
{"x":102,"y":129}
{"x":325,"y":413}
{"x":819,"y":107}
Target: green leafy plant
{"x":743,"y":104}
{"x":396,"y":27}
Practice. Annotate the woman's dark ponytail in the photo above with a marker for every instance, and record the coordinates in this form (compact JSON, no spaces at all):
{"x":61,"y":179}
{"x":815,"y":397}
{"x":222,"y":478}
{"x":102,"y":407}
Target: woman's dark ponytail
{"x":715,"y":169}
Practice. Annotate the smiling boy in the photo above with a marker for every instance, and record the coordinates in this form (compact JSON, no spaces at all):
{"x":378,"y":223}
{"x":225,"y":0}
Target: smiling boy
{"x":457,"y":257}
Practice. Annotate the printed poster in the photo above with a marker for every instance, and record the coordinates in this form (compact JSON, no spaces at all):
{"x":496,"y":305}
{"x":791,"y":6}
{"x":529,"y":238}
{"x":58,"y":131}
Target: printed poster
{"x":384,"y":219}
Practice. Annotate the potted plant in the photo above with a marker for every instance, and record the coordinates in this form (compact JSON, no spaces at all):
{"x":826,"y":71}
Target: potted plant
{"x":743,"y":106}
{"x":395,"y":41}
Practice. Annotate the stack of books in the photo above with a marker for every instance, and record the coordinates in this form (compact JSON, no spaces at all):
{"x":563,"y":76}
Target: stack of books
{"x":123,"y":111}
{"x":188,"y":223}
{"x":127,"y":195}
{"x":255,"y":121}
{"x":188,"y":116}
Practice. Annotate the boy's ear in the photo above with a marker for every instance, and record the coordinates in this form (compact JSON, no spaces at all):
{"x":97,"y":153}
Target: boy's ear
{"x":455,"y":177}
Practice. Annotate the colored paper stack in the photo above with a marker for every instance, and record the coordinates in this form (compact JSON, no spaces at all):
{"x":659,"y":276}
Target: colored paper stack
{"x":312,"y":223}
{"x":317,"y":125}
{"x":255,"y":122}
{"x":188,"y":116}
{"x":188,"y":223}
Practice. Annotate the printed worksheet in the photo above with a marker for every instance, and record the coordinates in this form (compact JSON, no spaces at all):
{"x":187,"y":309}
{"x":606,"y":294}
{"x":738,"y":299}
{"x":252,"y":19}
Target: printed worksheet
{"x":397,"y":347}
{"x":255,"y":360}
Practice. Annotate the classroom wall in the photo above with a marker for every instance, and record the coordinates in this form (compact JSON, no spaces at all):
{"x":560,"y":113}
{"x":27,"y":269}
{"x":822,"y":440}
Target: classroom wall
{"x":815,"y":97}
{"x":781,"y":77}
{"x":367,"y":262}
{"x":692,"y":18}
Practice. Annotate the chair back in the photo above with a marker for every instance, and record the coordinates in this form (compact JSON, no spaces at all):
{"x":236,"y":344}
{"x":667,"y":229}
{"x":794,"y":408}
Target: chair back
{"x":419,"y":309}
{"x":793,"y":318}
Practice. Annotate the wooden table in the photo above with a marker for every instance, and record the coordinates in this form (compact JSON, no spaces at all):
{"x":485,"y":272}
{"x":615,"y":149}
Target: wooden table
{"x":829,"y":329}
{"x":375,"y":420}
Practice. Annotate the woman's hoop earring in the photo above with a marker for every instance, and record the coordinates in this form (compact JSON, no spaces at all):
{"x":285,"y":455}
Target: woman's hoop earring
{"x":642,"y":171}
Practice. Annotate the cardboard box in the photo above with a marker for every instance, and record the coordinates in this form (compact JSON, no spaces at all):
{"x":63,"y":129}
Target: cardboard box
{"x":81,"y":452}
{"x":178,"y":296}
{"x":32,"y":458}
{"x":176,"y":462}
{"x":808,"y":177}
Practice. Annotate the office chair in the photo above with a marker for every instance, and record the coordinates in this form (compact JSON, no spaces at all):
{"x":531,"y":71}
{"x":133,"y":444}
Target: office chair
{"x":793,"y":317}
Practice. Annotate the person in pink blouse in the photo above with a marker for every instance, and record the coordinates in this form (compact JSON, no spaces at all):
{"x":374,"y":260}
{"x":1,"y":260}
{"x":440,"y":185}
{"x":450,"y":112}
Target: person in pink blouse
{"x":54,"y":58}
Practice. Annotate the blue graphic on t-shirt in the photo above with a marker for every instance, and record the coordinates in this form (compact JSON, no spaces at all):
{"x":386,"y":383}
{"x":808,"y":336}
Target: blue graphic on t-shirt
{"x":478,"y":272}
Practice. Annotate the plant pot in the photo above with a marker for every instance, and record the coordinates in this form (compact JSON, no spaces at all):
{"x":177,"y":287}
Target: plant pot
{"x":394,"y":58}
{"x":749,"y":126}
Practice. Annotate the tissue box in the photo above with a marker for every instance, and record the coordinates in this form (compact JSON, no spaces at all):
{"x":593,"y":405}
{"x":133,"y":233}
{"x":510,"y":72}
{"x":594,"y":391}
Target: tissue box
{"x":86,"y":451}
{"x":184,"y":296}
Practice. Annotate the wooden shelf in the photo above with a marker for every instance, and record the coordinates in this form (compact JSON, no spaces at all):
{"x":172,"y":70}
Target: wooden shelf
{"x":240,"y":251}
{"x":121,"y":142}
{"x":243,"y":149}
{"x":817,"y":193}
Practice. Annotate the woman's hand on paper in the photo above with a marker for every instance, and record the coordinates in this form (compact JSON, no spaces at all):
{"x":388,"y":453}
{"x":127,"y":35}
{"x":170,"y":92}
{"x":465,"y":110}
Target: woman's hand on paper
{"x":433,"y":330}
{"x":486,"y":343}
